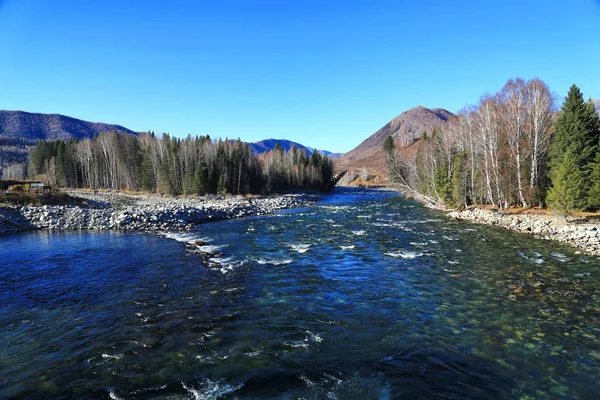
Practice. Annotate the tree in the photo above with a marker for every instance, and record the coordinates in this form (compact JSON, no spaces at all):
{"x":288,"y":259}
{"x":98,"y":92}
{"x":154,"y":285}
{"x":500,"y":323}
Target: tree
{"x":568,"y":185}
{"x":594,"y":193}
{"x":459,"y":184}
{"x":389,"y":146}
{"x":199,"y":183}
{"x":540,"y":109}
{"x":513,"y":118}
{"x":576,"y":133}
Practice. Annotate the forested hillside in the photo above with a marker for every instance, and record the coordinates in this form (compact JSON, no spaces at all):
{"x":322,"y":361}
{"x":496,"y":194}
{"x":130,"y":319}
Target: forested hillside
{"x":20,"y":131}
{"x":37,"y":126}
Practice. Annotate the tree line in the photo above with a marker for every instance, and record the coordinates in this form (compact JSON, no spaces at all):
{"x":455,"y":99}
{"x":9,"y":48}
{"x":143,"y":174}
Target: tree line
{"x":512,"y":148}
{"x":194,"y":165}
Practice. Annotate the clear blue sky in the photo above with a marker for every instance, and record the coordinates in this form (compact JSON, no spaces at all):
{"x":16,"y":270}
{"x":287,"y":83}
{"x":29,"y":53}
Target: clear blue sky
{"x":324,"y":73}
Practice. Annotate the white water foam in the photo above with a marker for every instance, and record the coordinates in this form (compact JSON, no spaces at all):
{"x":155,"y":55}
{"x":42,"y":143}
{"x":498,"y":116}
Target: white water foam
{"x":560,"y":257}
{"x":359,"y":233}
{"x":113,"y":396}
{"x":537,"y":260}
{"x":381,"y":224}
{"x":307,"y":381}
{"x":117,"y":357}
{"x":404,"y":254}
{"x":299,"y":247}
{"x":254,"y":353}
{"x":210,"y":248}
{"x":313,"y":337}
{"x":205,"y":360}
{"x":263,"y":261}
{"x":221,"y":260}
{"x":186,"y":237}
{"x":211,"y":390}
{"x":347,"y":247}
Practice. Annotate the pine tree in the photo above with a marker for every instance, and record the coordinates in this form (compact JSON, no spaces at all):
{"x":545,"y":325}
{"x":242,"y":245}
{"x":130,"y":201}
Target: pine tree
{"x":459,"y":181}
{"x":443,"y":186}
{"x":60,"y":163}
{"x":594,"y":193}
{"x":221,"y":186}
{"x":568,"y":185}
{"x":576,"y":133}
{"x":199,"y":183}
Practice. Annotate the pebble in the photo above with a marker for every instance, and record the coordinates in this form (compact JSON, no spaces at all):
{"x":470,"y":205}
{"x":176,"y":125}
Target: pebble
{"x":580,"y":234}
{"x":143,"y":212}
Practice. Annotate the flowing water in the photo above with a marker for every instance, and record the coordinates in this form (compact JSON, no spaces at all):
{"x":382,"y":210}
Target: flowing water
{"x":364,"y":296}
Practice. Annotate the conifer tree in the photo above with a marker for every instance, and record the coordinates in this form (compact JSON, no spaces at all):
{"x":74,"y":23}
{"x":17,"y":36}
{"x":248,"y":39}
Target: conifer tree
{"x":594,"y":193}
{"x":576,"y":134}
{"x":568,"y":185}
{"x":199,"y":183}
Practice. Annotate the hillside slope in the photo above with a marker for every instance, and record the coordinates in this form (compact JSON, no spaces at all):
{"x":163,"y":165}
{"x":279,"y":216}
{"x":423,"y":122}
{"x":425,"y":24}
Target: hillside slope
{"x":36,"y":126}
{"x":405,"y":129}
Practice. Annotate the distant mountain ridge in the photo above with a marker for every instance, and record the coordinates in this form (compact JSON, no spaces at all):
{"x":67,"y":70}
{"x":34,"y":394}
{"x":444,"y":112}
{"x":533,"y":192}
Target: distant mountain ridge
{"x":19,"y":130}
{"x":38,"y":126}
{"x":405,"y":129}
{"x":269,"y":144}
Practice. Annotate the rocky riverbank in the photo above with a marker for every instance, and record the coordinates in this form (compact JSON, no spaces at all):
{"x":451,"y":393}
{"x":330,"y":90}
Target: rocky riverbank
{"x":142,"y":212}
{"x":578,"y":233}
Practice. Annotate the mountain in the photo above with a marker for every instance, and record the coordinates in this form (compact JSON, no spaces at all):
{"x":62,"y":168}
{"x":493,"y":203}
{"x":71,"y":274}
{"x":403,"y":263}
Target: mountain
{"x":20,"y":130}
{"x":36,"y":126}
{"x":269,"y":144}
{"x":405,"y":129}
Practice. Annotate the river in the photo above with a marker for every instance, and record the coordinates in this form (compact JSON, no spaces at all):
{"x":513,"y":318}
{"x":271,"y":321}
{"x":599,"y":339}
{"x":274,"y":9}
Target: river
{"x":365,"y":295}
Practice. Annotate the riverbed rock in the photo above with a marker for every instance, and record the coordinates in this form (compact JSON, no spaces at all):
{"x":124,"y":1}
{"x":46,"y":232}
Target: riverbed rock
{"x":143,"y":212}
{"x":575,"y":232}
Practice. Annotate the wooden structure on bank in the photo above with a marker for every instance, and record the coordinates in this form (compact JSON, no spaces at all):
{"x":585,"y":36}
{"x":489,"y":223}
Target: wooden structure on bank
{"x":25,"y":186}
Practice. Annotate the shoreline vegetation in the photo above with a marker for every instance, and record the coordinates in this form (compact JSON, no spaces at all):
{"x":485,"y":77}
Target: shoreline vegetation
{"x":514,"y":150}
{"x":104,"y":210}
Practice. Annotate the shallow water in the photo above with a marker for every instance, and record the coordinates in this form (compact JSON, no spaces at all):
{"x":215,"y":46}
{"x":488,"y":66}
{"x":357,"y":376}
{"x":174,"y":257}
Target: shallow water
{"x":364,"y":296}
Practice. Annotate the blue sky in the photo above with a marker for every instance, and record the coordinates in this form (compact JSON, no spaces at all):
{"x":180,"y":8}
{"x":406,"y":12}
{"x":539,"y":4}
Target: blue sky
{"x":324,"y":73}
